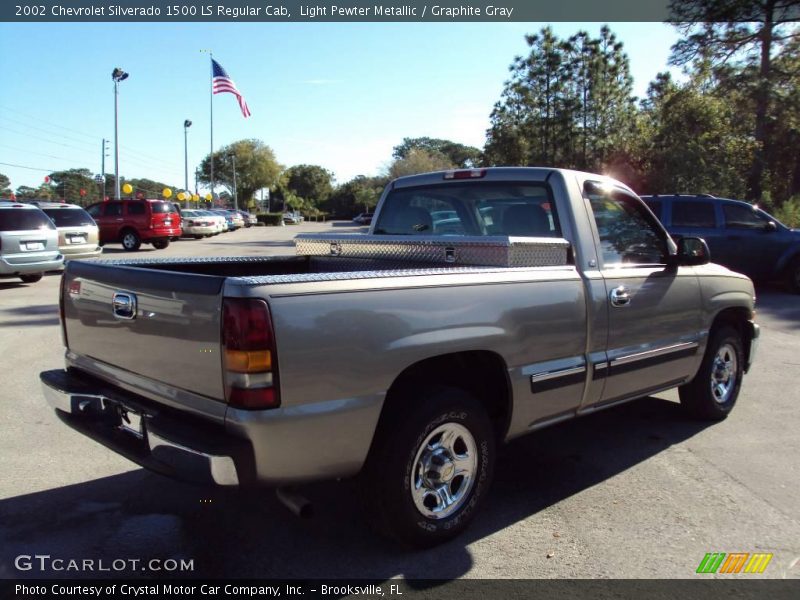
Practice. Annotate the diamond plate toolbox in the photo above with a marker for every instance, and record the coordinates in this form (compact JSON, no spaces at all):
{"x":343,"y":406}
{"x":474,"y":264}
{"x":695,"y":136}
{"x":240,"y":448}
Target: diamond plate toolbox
{"x":490,"y":251}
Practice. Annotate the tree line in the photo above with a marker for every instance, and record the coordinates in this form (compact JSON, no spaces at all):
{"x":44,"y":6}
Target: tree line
{"x":731,"y":128}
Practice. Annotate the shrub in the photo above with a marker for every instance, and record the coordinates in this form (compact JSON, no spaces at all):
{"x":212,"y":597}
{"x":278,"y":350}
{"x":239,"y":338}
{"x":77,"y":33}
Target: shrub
{"x":789,"y":212}
{"x":269,"y":218}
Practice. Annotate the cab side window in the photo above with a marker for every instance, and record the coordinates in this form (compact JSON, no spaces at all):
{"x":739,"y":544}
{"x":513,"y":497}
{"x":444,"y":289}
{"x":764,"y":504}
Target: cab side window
{"x":135,"y":209}
{"x":693,"y":213}
{"x":628,"y":233}
{"x":113,"y":209}
{"x":95,"y":210}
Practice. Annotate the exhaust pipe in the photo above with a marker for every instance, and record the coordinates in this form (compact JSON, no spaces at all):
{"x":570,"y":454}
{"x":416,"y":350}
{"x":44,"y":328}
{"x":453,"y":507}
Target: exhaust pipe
{"x":299,"y":505}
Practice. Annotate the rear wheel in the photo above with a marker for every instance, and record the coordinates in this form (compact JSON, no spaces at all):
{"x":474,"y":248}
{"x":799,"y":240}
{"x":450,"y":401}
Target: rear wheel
{"x":712,"y":394}
{"x":131,"y":240}
{"x":160,"y":244}
{"x":429,"y":471}
{"x":31,"y":277}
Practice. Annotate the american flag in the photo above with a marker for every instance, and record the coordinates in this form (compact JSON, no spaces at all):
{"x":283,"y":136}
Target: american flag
{"x":221,"y":83}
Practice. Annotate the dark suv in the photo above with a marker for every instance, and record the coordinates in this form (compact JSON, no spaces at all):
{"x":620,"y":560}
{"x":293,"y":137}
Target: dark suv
{"x":133,"y":222}
{"x":740,"y":236}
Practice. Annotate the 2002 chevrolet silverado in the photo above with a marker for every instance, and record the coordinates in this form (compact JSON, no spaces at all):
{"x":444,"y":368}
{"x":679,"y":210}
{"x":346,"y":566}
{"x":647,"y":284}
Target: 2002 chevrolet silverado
{"x":482,"y":304}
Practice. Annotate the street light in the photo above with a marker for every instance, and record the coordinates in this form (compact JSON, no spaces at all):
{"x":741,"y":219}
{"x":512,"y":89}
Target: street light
{"x":186,"y":124}
{"x":117,"y":75}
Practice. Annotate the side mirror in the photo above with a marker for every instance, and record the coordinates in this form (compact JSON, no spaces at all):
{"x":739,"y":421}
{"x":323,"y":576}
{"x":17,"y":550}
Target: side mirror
{"x":692,"y":251}
{"x":770,"y":227}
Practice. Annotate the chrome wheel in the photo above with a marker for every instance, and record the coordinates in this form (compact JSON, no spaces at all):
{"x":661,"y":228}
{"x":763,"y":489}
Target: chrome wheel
{"x":444,"y":471}
{"x":723,"y":373}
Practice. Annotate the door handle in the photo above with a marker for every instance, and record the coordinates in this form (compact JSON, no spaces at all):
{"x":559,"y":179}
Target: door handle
{"x":620,"y":296}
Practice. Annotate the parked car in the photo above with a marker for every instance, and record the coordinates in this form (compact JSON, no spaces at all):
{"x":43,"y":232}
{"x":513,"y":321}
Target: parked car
{"x":249,"y":218}
{"x":238,"y":219}
{"x":230,"y":225}
{"x":426,"y":351}
{"x":194,"y":223}
{"x":28,"y":242}
{"x":292,"y":218}
{"x":741,"y":236}
{"x":363,"y":218}
{"x":220,"y":223}
{"x":78,"y":234}
{"x":136,"y":222}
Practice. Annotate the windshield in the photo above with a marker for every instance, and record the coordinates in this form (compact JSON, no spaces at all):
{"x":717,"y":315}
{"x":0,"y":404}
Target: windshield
{"x":69,"y":217}
{"x":470,"y":208}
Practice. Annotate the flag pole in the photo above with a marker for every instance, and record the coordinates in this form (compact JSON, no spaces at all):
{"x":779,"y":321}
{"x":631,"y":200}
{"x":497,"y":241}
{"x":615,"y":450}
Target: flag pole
{"x":211,"y":104}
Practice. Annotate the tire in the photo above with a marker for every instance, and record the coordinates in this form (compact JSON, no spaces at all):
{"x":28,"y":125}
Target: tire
{"x":199,"y":237}
{"x":411,"y":455}
{"x":712,"y":394}
{"x":160,"y":244}
{"x":31,"y":277}
{"x":130,"y":240}
{"x":793,"y":276}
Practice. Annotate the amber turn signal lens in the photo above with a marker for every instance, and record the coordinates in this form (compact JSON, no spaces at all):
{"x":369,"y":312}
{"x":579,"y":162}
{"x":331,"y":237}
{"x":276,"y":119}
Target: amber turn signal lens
{"x":244,"y":361}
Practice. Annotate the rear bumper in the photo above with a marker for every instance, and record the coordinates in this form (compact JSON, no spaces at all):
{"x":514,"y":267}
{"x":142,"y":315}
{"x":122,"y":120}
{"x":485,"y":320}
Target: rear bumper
{"x":178,"y":446}
{"x":11,"y":267}
{"x":160,"y":233}
{"x":79,"y":253}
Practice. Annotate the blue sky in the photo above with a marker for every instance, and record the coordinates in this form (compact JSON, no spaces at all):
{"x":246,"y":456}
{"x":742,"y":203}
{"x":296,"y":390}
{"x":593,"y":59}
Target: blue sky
{"x":340,"y":95}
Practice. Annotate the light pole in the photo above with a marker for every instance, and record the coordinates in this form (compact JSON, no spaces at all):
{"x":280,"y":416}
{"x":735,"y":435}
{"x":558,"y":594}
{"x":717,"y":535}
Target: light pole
{"x":186,"y":124}
{"x":235,"y":198}
{"x":117,"y":75}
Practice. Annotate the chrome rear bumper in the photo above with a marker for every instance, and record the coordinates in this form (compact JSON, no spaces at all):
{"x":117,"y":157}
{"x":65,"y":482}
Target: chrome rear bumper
{"x":143,"y":433}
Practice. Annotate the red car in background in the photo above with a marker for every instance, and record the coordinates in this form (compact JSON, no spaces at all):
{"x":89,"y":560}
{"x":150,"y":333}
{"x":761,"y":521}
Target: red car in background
{"x":136,"y":222}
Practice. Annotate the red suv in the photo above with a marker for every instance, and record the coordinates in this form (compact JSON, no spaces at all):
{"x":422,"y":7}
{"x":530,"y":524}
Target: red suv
{"x":132,"y":222}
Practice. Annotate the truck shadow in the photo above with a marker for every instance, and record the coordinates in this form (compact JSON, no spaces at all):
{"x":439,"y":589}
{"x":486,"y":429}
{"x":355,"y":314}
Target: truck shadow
{"x":250,"y":534}
{"x":34,"y":314}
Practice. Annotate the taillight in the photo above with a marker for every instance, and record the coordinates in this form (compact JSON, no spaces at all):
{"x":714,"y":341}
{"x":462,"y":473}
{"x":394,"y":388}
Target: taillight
{"x":248,"y":342}
{"x":465,"y":174}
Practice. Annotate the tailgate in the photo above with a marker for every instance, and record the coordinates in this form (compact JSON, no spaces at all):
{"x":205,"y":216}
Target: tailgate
{"x":160,"y":325}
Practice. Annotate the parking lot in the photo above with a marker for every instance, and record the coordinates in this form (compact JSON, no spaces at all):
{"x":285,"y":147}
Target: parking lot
{"x":637,"y":491}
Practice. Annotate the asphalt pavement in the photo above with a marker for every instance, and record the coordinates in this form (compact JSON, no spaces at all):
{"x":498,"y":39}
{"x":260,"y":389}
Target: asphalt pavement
{"x":636,"y":491}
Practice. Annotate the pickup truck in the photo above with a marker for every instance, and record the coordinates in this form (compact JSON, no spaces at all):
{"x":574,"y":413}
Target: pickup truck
{"x":405,"y":355}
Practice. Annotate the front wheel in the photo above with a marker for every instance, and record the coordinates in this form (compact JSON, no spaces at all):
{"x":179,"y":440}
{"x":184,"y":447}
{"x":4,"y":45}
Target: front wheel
{"x":429,"y":471}
{"x":712,"y":394}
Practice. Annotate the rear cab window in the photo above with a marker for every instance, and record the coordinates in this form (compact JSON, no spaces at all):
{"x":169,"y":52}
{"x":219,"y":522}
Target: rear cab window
{"x":473,"y":208}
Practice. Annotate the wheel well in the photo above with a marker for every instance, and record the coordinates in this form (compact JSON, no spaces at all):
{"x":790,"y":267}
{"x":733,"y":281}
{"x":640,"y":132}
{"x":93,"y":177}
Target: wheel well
{"x":481,"y":373}
{"x":126,"y":229}
{"x":737,"y":318}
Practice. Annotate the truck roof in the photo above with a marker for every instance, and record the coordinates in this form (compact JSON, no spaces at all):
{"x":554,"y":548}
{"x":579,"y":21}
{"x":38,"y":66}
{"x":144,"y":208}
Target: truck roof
{"x":537,"y":174}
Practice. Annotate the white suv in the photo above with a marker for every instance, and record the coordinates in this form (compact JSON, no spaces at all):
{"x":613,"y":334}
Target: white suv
{"x":28,"y":242}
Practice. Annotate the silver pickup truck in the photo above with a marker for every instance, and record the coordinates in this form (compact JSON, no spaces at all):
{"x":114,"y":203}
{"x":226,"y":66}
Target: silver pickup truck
{"x":482,"y":305}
